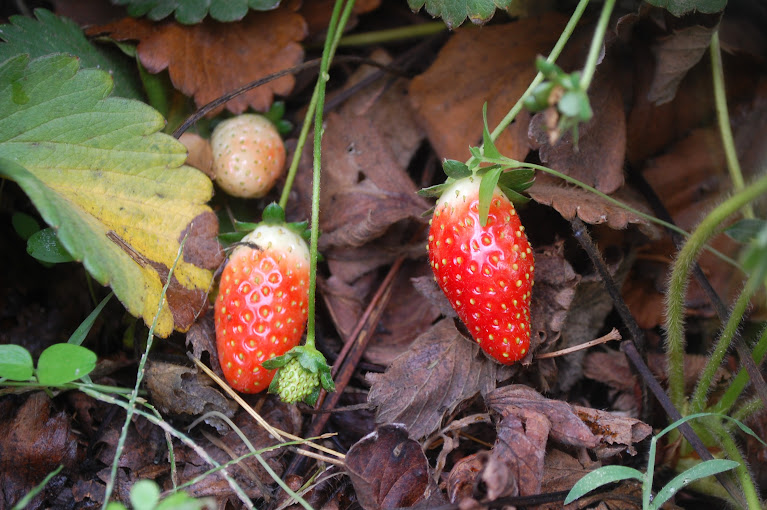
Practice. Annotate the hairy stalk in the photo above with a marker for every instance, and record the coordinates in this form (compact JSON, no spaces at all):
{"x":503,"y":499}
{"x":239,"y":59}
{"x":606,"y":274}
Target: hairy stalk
{"x":139,"y":377}
{"x":335,"y":29}
{"x":738,"y":384}
{"x":684,"y":261}
{"x":741,"y":472}
{"x":723,"y":119}
{"x":698,"y":400}
{"x":553,"y":56}
{"x":748,"y":409}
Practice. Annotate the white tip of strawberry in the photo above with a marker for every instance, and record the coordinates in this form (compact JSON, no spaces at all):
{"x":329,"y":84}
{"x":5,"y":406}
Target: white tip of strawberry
{"x":280,"y":238}
{"x":460,"y":191}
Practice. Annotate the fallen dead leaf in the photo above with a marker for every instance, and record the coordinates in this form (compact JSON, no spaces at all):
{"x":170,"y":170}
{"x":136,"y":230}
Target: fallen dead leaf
{"x":601,"y":430}
{"x":210,"y":59}
{"x":388,"y":469}
{"x":34,"y":440}
{"x":180,"y":390}
{"x":249,"y":473}
{"x":494,"y":65}
{"x":439,"y":371}
{"x":675,"y":54}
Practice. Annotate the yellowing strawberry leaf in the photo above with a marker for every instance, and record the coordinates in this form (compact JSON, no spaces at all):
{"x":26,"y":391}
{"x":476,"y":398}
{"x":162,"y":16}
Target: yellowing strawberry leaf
{"x":112,"y":186}
{"x":52,"y":34}
{"x":193,"y":11}
{"x":455,"y":12}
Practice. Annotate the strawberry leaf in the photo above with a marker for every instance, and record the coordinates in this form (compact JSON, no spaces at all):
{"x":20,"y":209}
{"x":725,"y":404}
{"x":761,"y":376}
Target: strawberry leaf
{"x":112,"y":186}
{"x":53,"y":34}
{"x":681,"y":7}
{"x":516,"y":198}
{"x":519,"y":179}
{"x":455,"y":169}
{"x":193,"y":11}
{"x":486,"y":191}
{"x":455,"y":12}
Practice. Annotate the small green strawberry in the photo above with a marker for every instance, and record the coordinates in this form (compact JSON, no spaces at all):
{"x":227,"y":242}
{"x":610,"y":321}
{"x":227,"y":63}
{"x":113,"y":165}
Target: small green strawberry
{"x":261,"y":308}
{"x":302,"y":372}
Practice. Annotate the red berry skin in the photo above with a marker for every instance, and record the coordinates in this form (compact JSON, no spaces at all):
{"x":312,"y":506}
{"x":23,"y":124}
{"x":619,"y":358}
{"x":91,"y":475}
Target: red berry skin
{"x":261,"y":308}
{"x":485,"y":272}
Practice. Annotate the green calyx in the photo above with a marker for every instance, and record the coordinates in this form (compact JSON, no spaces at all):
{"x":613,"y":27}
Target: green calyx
{"x":303,"y":371}
{"x":273,"y":215}
{"x":494,"y":170}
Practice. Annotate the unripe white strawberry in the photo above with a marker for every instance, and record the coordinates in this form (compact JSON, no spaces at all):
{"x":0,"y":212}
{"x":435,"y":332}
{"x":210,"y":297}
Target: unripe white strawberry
{"x":248,"y":155}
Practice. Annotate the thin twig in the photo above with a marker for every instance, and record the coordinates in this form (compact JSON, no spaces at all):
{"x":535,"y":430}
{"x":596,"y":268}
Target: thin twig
{"x":609,"y":337}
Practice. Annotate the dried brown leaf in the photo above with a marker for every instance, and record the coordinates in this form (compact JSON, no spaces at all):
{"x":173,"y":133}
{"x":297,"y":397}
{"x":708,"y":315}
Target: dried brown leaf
{"x":598,"y":158}
{"x":181,"y":390}
{"x":248,"y":473}
{"x":441,"y":369}
{"x":207,"y":60}
{"x":570,"y":201}
{"x":515,"y":465}
{"x":675,"y":55}
{"x":34,"y":440}
{"x":493,"y":65}
{"x":388,"y":469}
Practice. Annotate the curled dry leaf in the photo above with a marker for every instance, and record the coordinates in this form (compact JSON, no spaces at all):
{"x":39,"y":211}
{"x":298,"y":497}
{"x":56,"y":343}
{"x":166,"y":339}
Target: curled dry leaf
{"x":439,"y":371}
{"x":248,"y":472}
{"x":210,"y":59}
{"x":33,"y":442}
{"x":571,"y":425}
{"x":389,"y":470}
{"x":181,"y":390}
{"x":496,"y":66}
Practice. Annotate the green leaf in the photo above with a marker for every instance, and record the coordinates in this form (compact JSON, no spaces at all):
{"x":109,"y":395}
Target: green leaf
{"x":115,"y":189}
{"x":193,"y":11}
{"x":488,"y":146}
{"x":681,"y":7}
{"x":746,"y":230}
{"x":53,"y":34}
{"x":44,"y":245}
{"x":455,"y":169}
{"x":433,"y":191}
{"x":519,"y":179}
{"x":24,"y":225}
{"x":600,"y":477}
{"x":15,"y":363}
{"x":183,"y":501}
{"x":486,"y":191}
{"x":144,"y":495}
{"x":78,"y":337}
{"x":63,"y":363}
{"x":707,"y":468}
{"x":455,"y":12}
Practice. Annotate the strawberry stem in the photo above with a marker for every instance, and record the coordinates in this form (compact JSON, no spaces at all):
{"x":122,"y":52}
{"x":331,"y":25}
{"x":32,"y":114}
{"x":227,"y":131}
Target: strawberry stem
{"x":335,"y":28}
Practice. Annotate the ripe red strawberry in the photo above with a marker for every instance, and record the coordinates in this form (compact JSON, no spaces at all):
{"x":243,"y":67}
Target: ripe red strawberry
{"x":485,"y":272}
{"x":261,"y":308}
{"x":248,"y":155}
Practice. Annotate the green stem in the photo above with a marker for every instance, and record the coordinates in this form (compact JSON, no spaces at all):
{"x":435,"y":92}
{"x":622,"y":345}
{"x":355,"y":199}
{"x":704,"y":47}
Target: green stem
{"x":738,"y":384}
{"x":747,"y":410}
{"x":698,"y":400}
{"x":741,"y":472}
{"x":723,"y":118}
{"x":615,"y":202}
{"x":335,"y":29}
{"x":687,"y":256}
{"x":553,"y":56}
{"x":71,"y":386}
{"x":302,"y":136}
{"x":139,"y":377}
{"x":393,"y":34}
{"x":596,"y":44}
